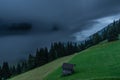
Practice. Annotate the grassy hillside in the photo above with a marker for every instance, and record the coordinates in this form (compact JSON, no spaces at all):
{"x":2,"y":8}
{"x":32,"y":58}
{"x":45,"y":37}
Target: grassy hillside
{"x":40,"y":73}
{"x":101,"y":62}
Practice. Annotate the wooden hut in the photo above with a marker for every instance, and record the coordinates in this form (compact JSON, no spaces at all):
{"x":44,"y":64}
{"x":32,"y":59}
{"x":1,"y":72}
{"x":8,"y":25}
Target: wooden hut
{"x":67,"y":68}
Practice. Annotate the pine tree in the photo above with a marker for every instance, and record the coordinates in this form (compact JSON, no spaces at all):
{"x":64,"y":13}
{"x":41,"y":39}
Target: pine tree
{"x":13,"y":70}
{"x":104,"y":34}
{"x":61,"y":49}
{"x":112,"y":34}
{"x":57,"y":50}
{"x":69,"y":48}
{"x":31,"y":62}
{"x":118,"y":26}
{"x":75,"y":48}
{"x":88,"y":43}
{"x":6,"y":71}
{"x":0,"y":73}
{"x":40,"y":58}
{"x":46,"y":55}
{"x":81,"y":46}
{"x":19,"y":69}
{"x":24,"y":66}
{"x":96,"y":38}
{"x":52,"y":54}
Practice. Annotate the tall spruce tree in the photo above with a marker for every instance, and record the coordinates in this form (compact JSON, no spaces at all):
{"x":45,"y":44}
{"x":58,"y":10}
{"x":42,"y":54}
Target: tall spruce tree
{"x":69,"y":48}
{"x":118,"y":26}
{"x":13,"y":70}
{"x":40,"y":58}
{"x":112,"y":34}
{"x":31,"y":62}
{"x":81,"y":46}
{"x":46,"y":55}
{"x":6,"y":70}
{"x":0,"y":73}
{"x":24,"y":66}
{"x":52,"y":53}
{"x":18,"y":69}
{"x":96,"y":38}
{"x":104,"y":34}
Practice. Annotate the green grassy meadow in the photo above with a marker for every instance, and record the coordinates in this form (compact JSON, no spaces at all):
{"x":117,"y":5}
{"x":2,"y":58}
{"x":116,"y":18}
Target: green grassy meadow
{"x":101,"y":62}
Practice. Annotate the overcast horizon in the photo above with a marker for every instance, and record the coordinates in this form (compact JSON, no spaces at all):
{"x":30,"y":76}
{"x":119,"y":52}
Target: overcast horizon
{"x":76,"y":21}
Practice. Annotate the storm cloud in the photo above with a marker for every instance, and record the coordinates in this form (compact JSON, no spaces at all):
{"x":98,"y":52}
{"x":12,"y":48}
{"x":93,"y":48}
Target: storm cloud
{"x":71,"y":14}
{"x":75,"y":19}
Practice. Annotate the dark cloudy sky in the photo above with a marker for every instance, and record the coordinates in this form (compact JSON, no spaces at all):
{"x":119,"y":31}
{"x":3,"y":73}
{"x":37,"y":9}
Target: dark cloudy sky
{"x":77,"y":19}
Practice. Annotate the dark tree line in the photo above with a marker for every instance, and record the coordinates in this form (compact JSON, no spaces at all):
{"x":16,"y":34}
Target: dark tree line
{"x":113,"y":31}
{"x":59,"y":49}
{"x":5,"y":71}
{"x":43,"y":56}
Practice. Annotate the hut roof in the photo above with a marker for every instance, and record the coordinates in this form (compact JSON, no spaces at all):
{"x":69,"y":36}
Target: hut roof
{"x":68,"y":66}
